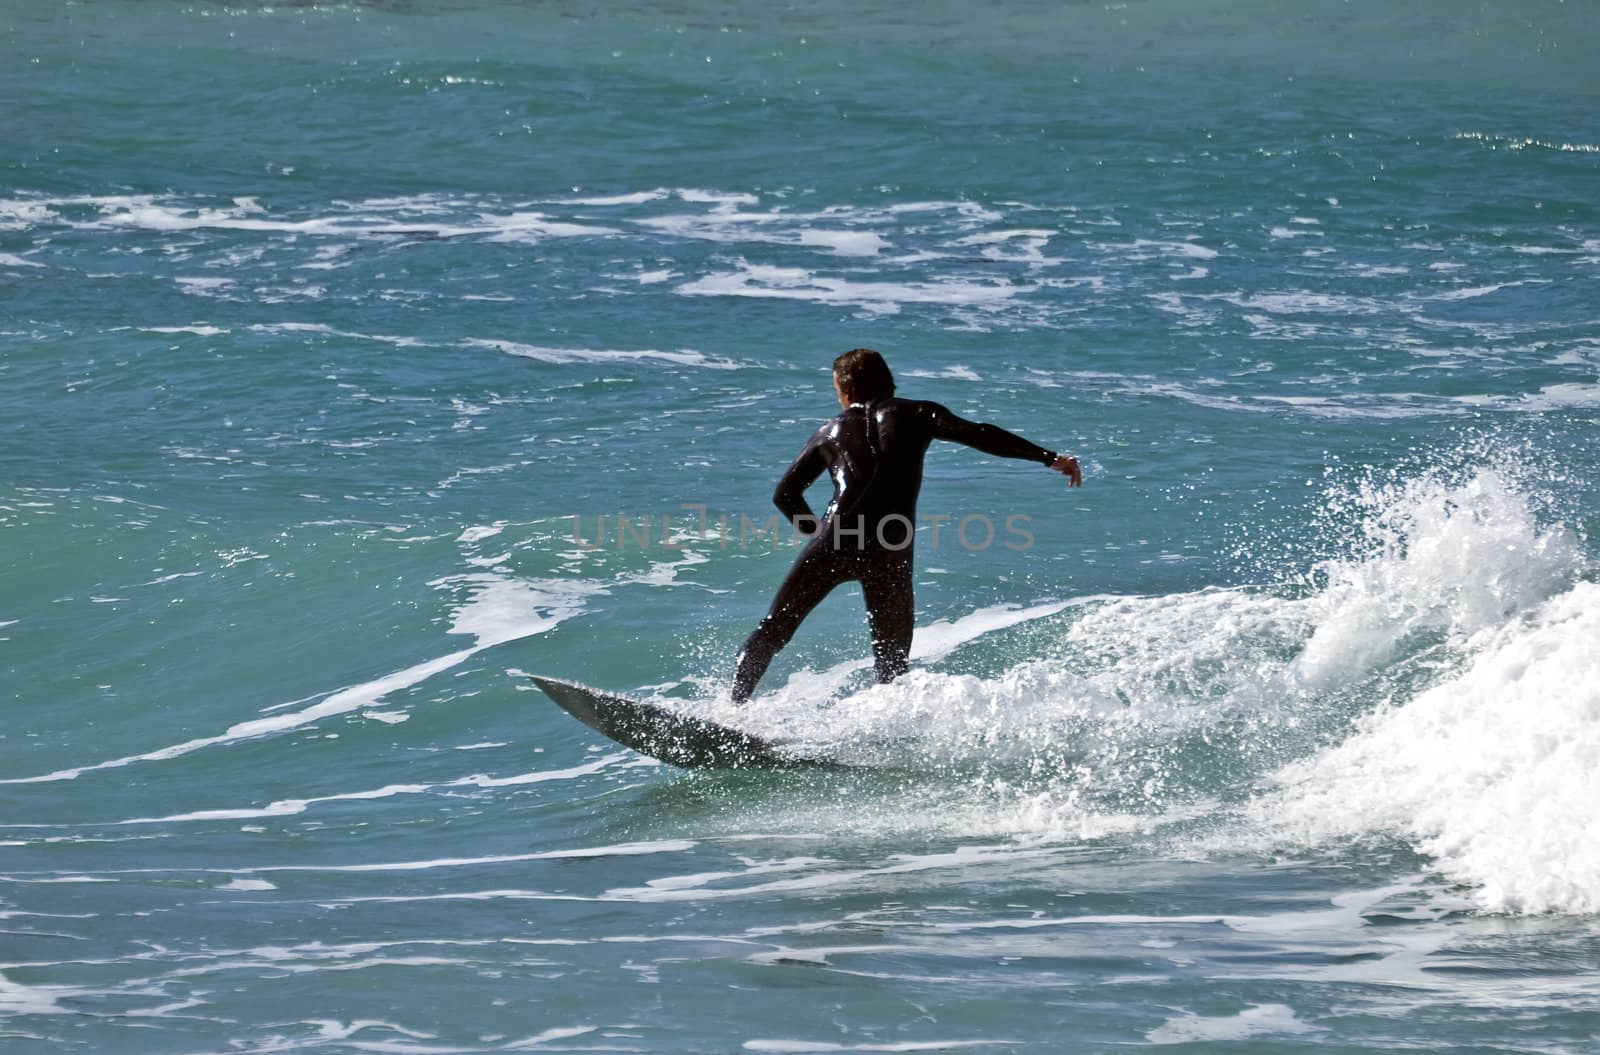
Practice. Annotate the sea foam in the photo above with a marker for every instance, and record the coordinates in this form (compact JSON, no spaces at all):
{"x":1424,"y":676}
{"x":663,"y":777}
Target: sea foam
{"x":1435,"y":683}
{"x":1491,"y":765}
{"x":1494,"y":771}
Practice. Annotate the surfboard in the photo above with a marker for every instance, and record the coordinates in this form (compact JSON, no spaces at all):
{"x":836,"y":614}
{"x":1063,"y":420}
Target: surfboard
{"x":664,"y":734}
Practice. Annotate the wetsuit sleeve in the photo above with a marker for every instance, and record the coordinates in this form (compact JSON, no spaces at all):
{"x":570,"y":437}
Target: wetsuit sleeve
{"x":990,"y":439}
{"x":790,"y":496}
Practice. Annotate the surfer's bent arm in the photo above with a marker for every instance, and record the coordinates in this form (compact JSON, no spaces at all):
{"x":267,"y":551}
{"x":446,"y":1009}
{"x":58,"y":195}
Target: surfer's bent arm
{"x":790,"y":496}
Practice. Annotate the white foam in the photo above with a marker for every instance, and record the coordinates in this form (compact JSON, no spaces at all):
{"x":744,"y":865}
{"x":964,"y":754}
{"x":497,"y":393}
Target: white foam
{"x":775,"y":228}
{"x":152,"y":215}
{"x":685,"y":357}
{"x":1494,"y":772}
{"x":501,"y":608}
{"x":638,"y":849}
{"x":17,"y":214}
{"x":1025,"y":246}
{"x":1300,"y":302}
{"x":18,"y":999}
{"x":804,"y":874}
{"x":1455,"y":556}
{"x":928,"y":644}
{"x":1473,"y":292}
{"x":198,"y":329}
{"x":788,"y":283}
{"x":665,"y":573}
{"x":1090,"y":730}
{"x":1174,"y":390}
{"x":712,"y":197}
{"x":844,"y":243}
{"x":954,"y":373}
{"x":535,"y":227}
{"x":798,"y":1047}
{"x":161,"y":1010}
{"x":407,"y":204}
{"x":332,"y":1029}
{"x":1156,"y":661}
{"x":709,"y":886}
{"x":1555,"y":397}
{"x":546,"y":354}
{"x":329,"y":331}
{"x":13,"y":260}
{"x":1256,"y":1020}
{"x":478,"y":534}
{"x":997,"y":237}
{"x":969,"y":209}
{"x":1523,"y":143}
{"x":638,"y":198}
{"x":943,"y":636}
{"x":1493,"y":766}
{"x":1147,"y":249}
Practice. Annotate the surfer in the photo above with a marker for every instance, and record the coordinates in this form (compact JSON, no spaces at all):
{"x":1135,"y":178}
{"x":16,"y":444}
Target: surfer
{"x":874,"y":451}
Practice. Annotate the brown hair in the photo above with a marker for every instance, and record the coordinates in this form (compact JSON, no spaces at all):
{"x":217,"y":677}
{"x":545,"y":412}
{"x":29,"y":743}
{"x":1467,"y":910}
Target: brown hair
{"x":863,"y":376}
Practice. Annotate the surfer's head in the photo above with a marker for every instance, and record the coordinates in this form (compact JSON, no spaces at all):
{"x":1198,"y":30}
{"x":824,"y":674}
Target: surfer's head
{"x":861,"y":376}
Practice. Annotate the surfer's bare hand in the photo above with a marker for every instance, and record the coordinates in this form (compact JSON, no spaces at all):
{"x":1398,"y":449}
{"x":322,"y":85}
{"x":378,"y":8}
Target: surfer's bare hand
{"x":1067,"y":465}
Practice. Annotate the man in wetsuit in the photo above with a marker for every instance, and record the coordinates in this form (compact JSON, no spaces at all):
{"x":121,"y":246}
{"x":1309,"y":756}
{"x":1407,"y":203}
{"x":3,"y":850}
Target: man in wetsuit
{"x":874,"y":451}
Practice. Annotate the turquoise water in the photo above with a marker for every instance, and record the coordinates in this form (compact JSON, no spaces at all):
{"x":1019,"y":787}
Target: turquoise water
{"x":328,"y":335}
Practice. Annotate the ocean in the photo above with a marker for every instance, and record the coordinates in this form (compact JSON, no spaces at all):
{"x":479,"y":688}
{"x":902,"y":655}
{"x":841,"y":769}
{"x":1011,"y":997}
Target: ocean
{"x":359,"y":360}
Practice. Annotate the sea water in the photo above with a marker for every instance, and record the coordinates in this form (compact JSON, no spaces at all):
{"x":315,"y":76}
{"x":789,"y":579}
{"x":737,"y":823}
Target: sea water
{"x":357,"y":360}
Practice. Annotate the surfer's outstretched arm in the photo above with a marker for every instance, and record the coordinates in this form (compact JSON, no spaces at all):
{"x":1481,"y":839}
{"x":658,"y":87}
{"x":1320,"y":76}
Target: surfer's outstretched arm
{"x":790,"y":496}
{"x":992,"y":439}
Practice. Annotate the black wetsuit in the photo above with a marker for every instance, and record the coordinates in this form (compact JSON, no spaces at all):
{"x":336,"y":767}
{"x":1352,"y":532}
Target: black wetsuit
{"x":875,"y":457}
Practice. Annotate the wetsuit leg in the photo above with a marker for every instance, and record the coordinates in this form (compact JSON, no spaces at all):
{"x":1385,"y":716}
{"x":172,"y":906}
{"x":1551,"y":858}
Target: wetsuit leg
{"x":815,"y":573}
{"x":891,"y":612}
